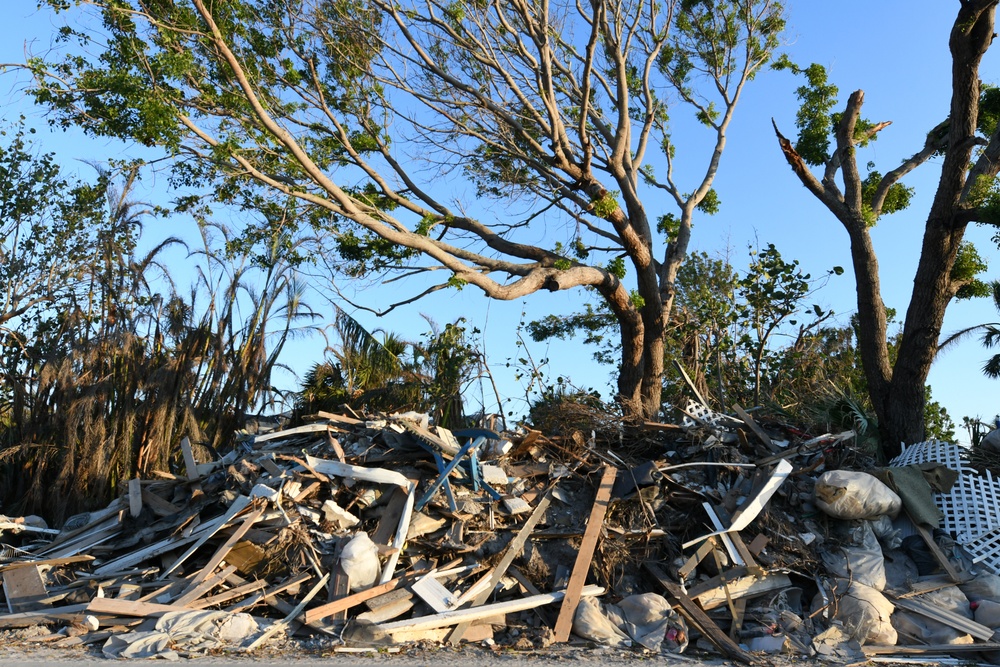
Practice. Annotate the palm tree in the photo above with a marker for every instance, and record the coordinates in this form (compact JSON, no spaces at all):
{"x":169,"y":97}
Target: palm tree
{"x":990,"y":335}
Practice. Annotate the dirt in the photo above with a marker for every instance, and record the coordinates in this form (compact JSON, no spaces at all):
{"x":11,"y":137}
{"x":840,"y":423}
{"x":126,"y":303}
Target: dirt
{"x":21,"y":651}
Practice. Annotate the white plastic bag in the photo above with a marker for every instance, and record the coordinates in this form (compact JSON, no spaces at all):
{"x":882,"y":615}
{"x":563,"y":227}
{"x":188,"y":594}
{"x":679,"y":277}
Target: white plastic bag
{"x":848,"y":494}
{"x":359,"y":559}
{"x":862,"y":562}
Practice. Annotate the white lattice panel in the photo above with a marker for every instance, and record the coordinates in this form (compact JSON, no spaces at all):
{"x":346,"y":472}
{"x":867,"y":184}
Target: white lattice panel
{"x":970,"y":510}
{"x":985,"y":550}
{"x":700,"y":413}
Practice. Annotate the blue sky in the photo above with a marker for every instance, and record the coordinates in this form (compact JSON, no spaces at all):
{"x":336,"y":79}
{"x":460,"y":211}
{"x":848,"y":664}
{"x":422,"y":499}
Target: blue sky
{"x":894,"y":50}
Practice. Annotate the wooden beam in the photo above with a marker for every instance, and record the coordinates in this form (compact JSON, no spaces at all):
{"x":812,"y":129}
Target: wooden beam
{"x":757,"y":430}
{"x":447,"y":618}
{"x":564,"y":623}
{"x":698,"y":618}
{"x":331,"y":608}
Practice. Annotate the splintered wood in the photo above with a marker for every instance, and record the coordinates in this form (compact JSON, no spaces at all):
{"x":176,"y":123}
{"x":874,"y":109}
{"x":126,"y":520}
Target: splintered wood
{"x":373,"y":529}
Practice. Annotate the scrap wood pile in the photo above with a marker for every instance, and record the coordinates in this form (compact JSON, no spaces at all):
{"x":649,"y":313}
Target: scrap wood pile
{"x":716,"y":535}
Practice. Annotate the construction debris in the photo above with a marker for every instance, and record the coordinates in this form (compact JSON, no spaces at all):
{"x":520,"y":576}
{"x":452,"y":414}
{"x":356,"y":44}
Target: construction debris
{"x":722,"y":534}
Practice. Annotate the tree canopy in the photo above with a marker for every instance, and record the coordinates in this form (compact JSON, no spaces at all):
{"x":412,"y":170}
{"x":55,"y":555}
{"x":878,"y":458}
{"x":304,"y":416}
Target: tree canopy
{"x":366,"y":118}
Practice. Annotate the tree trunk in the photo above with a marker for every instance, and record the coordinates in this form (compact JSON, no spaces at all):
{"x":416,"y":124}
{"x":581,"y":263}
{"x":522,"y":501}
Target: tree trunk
{"x":933,"y":288}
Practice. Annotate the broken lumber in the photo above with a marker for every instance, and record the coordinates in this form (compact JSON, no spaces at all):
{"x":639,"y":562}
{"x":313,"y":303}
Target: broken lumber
{"x":564,"y":622}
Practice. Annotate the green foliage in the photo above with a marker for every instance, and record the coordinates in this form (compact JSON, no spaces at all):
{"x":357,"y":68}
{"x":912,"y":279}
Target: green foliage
{"x":814,"y":118}
{"x":669,"y":225}
{"x":938,"y":424}
{"x":606,"y":206}
{"x":896,"y":199}
{"x":968,"y":265}
{"x":616,"y":267}
{"x":382,"y":372}
{"x":710,"y":204}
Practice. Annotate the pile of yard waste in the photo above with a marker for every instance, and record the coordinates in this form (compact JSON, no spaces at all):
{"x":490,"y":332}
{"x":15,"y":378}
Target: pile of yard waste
{"x":716,"y":535}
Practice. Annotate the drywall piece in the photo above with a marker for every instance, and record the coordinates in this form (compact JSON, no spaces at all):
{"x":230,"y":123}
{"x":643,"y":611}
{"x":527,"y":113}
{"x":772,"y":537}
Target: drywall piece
{"x":433,"y":592}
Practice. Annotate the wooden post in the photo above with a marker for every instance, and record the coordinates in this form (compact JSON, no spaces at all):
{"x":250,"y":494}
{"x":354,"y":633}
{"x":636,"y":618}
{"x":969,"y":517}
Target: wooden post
{"x":564,"y":623}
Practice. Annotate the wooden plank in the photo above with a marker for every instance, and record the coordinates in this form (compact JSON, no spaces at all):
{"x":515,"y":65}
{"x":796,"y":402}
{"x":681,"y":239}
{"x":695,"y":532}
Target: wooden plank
{"x":930,"y":649}
{"x":117,"y":607}
{"x":564,"y":623}
{"x":757,"y":430}
{"x":187,"y":598}
{"x":340,"y":586}
{"x":50,"y":562}
{"x":223,"y":550}
{"x":298,"y":430}
{"x":433,"y":592}
{"x":457,"y":616}
{"x":159,"y":506}
{"x":939,"y":555}
{"x":135,"y":497}
{"x":269,"y":596}
{"x":689,"y":383}
{"x":283,"y":623}
{"x":331,"y":608}
{"x":699,"y":555}
{"x":698,"y":618}
{"x":387,"y":612}
{"x":513,"y":550}
{"x":376,"y":475}
{"x":397,"y":543}
{"x":754,"y":505}
{"x":231,"y":594}
{"x":27,"y":619}
{"x":744,"y":587}
{"x":24,"y":589}
{"x":208,"y":530}
{"x":190,"y":465}
{"x":388,"y":523}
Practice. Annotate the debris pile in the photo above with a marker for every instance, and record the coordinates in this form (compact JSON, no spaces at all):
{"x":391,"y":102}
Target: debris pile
{"x":716,"y":535}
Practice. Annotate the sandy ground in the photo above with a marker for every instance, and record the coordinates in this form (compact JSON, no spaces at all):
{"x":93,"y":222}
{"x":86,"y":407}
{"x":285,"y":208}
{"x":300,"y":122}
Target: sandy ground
{"x":19,"y":650}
